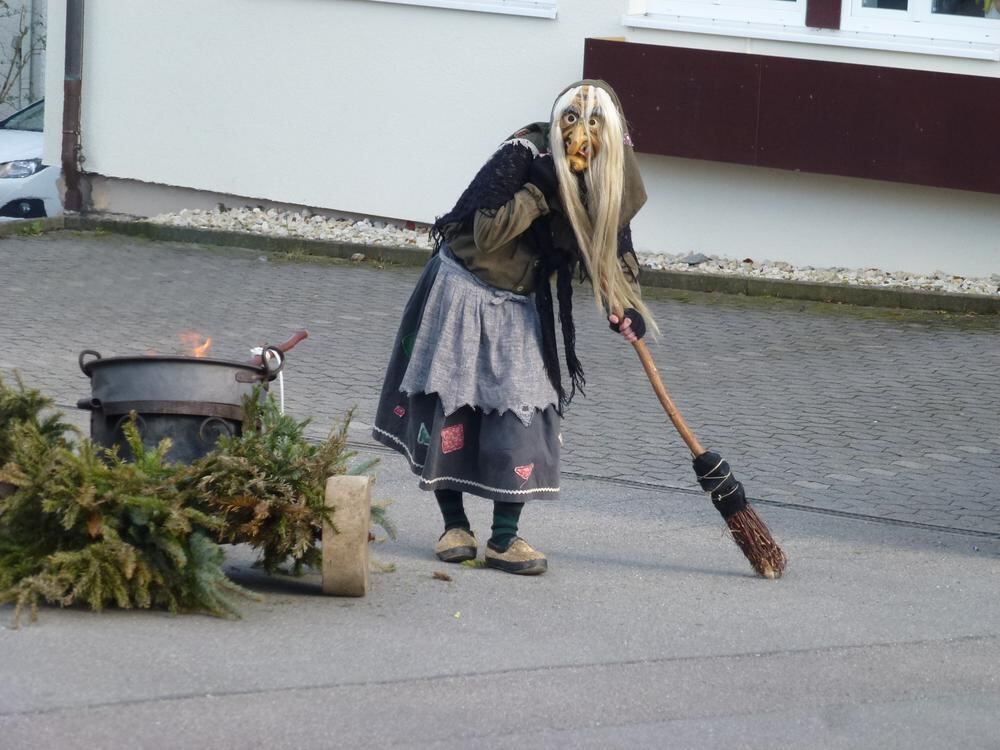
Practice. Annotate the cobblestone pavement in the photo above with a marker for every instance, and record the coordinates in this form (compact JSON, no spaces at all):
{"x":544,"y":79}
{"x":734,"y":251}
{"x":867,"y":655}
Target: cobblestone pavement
{"x":894,"y":419}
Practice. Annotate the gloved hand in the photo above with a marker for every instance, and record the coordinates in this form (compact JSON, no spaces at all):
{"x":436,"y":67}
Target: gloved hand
{"x":637,"y":325}
{"x":542,"y":174}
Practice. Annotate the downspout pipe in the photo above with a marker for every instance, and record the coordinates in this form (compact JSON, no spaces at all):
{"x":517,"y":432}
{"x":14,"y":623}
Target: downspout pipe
{"x":72,"y":86}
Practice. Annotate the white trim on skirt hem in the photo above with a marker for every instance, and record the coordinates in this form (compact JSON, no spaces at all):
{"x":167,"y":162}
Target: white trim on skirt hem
{"x":486,"y":487}
{"x":430,"y":482}
{"x":400,"y":443}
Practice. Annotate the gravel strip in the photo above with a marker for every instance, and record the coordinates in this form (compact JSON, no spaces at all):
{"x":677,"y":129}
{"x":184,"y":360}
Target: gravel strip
{"x":302,"y":224}
{"x":311,"y":226}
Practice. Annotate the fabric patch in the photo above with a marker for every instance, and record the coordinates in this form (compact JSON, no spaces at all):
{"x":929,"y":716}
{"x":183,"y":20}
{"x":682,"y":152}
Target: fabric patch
{"x":423,"y":436}
{"x":524,"y":471}
{"x":408,"y":341}
{"x":399,"y":411}
{"x":452,"y":438}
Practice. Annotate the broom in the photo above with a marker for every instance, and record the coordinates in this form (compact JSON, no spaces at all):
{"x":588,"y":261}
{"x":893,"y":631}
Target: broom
{"x":748,"y":530}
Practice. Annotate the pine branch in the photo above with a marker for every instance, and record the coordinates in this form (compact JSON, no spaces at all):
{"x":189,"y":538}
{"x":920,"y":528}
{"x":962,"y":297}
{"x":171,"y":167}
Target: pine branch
{"x":81,"y":526}
{"x":268,"y":485}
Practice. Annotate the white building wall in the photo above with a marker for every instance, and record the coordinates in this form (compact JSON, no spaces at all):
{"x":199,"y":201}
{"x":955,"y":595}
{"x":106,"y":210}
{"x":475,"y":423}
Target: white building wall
{"x":388,"y":110}
{"x":806,"y":219}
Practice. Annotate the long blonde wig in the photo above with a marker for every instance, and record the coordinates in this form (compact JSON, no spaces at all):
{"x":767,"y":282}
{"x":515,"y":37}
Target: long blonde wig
{"x":597,"y":224}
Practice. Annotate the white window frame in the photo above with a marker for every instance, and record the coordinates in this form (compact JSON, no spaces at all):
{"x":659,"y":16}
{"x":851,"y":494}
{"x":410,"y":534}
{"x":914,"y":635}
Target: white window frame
{"x":918,"y":21}
{"x":775,"y":12}
{"x":532,"y":8}
{"x":937,"y":34}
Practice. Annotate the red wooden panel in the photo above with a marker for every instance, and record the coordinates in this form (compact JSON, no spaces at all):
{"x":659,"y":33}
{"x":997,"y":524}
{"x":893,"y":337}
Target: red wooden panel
{"x":909,"y":126}
{"x":682,"y":102}
{"x":823,"y":14}
{"x":882,"y":123}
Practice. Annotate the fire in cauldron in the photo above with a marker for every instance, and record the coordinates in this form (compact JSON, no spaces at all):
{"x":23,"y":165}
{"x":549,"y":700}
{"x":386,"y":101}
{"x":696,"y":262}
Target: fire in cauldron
{"x":193,"y":400}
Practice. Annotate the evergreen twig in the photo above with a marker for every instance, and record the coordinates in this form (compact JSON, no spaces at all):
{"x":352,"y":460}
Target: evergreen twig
{"x":268,"y":485}
{"x":80,"y":525}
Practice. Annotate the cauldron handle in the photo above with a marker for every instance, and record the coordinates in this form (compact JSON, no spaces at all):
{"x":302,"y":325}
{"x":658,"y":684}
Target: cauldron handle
{"x":83,"y":365}
{"x":270,"y":355}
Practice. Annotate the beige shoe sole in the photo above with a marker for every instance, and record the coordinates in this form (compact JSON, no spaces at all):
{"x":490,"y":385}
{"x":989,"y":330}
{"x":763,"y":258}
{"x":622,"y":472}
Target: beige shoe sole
{"x":457,"y":554}
{"x":522,"y":568}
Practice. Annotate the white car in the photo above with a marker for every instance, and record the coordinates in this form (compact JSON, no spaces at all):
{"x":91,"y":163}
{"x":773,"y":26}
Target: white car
{"x":28,"y":188}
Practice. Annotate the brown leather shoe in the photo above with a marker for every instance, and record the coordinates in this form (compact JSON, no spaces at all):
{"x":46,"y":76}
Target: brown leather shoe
{"x":519,"y":558}
{"x":456,"y":545}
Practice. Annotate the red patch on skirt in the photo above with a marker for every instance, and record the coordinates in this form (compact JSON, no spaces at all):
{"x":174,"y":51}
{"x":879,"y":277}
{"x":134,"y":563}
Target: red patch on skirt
{"x":524,"y":471}
{"x":452,"y":438}
{"x":399,"y":411}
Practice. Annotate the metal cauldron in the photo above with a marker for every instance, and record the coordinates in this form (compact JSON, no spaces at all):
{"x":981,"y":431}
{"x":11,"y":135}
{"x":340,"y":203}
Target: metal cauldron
{"x":193,"y":401}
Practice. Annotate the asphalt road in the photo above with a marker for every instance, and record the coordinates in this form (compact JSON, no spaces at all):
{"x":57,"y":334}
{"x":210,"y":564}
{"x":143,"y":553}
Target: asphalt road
{"x":869,"y":439}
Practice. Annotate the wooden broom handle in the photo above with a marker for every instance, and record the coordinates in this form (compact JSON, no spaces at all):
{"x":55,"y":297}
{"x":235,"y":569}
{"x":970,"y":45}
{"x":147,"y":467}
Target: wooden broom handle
{"x":295,"y":338}
{"x":668,"y":404}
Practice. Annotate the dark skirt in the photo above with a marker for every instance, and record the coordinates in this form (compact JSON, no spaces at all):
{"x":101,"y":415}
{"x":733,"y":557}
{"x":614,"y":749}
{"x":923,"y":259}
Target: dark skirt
{"x":499,"y":456}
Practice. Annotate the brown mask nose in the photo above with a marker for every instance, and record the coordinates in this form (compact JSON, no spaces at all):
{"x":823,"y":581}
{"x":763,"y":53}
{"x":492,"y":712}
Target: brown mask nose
{"x":578,"y":148}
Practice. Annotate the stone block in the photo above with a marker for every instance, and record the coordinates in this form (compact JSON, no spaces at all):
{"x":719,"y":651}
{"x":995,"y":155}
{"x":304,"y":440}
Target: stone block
{"x":345,"y":546}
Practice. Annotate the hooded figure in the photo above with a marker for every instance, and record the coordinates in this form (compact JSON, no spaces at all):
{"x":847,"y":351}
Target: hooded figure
{"x":473,"y":394}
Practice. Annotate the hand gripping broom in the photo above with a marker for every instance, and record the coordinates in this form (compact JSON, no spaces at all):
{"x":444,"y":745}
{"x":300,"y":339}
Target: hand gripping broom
{"x":715,"y":477}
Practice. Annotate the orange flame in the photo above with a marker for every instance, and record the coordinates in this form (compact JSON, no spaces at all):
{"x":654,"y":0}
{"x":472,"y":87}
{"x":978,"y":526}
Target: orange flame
{"x":194,"y":343}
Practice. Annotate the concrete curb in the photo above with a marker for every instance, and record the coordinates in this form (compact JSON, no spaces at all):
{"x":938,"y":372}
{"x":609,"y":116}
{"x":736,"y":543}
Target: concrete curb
{"x":890,"y":297}
{"x":30,"y":227}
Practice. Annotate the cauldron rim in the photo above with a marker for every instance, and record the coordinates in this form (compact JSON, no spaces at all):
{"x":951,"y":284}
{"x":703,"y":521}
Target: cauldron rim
{"x":90,"y":365}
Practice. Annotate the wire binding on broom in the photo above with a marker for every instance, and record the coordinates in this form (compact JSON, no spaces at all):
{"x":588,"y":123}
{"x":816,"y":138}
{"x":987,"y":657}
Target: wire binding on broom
{"x":748,"y":530}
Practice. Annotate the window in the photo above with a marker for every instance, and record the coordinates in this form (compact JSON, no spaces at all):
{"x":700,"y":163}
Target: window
{"x":955,"y":28}
{"x":30,"y":118}
{"x":536,"y":8}
{"x":956,"y":20}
